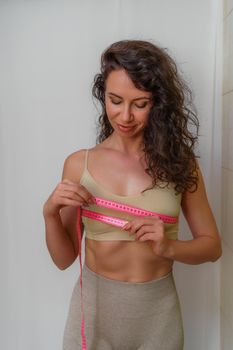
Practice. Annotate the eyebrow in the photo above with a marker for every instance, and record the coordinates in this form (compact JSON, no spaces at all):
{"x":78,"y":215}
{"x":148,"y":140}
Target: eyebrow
{"x":135,"y":99}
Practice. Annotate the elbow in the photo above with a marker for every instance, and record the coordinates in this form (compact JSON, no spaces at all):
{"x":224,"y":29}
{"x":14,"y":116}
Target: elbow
{"x":218,"y":253}
{"x":65,"y":265}
{"x":62,"y":268}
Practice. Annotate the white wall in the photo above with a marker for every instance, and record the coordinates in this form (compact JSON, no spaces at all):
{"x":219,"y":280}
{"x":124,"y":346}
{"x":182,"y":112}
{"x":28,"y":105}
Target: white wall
{"x":50,"y":51}
{"x":227,"y":183}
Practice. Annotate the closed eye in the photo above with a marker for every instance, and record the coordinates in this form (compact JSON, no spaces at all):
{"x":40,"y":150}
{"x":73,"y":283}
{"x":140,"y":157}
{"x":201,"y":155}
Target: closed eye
{"x":115,"y":103}
{"x":142,"y":106}
{"x":138,"y":106}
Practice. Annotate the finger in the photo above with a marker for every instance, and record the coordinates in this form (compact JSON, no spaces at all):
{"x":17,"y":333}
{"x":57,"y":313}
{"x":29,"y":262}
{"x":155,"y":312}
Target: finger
{"x":136,"y":223}
{"x":86,"y":194}
{"x":149,"y":236}
{"x":79,"y":189}
{"x":70,"y":194}
{"x":70,"y":202}
{"x":126,"y":226}
{"x":143,"y":230}
{"x":136,"y":227}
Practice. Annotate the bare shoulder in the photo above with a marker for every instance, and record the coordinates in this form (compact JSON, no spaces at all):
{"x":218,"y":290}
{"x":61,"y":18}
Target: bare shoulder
{"x":197,"y":210}
{"x":73,"y":165}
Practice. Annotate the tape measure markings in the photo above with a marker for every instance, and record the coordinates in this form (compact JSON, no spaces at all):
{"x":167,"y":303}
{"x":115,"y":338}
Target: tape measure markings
{"x":124,"y":208}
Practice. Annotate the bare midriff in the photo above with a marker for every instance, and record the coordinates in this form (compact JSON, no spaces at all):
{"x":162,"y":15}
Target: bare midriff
{"x":129,"y":261}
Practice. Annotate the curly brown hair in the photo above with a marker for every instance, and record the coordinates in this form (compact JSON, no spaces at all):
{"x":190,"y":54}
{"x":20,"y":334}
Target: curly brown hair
{"x":168,"y":142}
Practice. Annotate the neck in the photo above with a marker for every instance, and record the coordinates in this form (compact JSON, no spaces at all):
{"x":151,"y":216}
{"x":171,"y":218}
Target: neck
{"x":126,"y":145}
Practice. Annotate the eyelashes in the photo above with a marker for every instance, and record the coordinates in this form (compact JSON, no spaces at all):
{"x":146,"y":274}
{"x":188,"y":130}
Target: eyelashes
{"x":117,"y":103}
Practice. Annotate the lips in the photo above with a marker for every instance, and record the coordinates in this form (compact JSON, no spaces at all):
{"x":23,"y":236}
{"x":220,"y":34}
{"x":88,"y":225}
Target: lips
{"x":125,"y":127}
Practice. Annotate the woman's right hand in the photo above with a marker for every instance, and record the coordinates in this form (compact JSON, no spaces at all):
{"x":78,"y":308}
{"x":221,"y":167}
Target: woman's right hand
{"x":67,"y":193}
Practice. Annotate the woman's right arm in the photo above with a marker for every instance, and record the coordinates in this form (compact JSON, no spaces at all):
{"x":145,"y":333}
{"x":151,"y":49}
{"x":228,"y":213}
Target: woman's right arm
{"x":60,"y":212}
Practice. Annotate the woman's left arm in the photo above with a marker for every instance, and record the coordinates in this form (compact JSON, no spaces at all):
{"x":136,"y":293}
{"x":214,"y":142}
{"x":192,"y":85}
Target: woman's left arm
{"x":206,"y":244}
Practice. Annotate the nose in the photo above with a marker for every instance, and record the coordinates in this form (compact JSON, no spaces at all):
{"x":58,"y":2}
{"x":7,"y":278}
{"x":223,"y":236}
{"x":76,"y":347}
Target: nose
{"x":126,"y":113}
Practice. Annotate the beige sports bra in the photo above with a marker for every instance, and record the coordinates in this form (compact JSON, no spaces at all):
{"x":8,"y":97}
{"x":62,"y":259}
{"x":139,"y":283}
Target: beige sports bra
{"x":158,"y":200}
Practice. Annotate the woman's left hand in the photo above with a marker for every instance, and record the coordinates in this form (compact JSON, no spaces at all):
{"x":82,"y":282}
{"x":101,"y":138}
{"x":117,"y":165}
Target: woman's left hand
{"x":149,"y":228}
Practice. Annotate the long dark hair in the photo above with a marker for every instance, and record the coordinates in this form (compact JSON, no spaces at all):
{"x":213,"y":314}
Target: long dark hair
{"x":168,"y":142}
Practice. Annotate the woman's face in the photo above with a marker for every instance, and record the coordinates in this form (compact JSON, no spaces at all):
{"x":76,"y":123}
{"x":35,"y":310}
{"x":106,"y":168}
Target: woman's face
{"x":126,"y":106}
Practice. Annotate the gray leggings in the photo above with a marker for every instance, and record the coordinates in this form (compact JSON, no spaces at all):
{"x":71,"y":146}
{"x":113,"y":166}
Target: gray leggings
{"x":124,"y":315}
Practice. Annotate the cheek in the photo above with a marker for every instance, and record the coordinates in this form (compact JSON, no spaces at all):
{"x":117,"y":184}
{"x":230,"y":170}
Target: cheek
{"x":143,"y":117}
{"x":111,"y":110}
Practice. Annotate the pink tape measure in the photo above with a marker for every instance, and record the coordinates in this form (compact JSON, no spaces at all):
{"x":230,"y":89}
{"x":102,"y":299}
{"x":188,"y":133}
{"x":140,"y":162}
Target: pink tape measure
{"x":112,"y":221}
{"x":124,"y":208}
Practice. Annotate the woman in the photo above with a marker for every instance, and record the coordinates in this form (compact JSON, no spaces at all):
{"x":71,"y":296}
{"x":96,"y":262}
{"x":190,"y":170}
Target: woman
{"x":144,"y":157}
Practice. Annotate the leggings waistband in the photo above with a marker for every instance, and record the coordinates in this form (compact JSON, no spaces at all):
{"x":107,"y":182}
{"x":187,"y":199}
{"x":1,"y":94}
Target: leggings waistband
{"x":95,"y":276}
